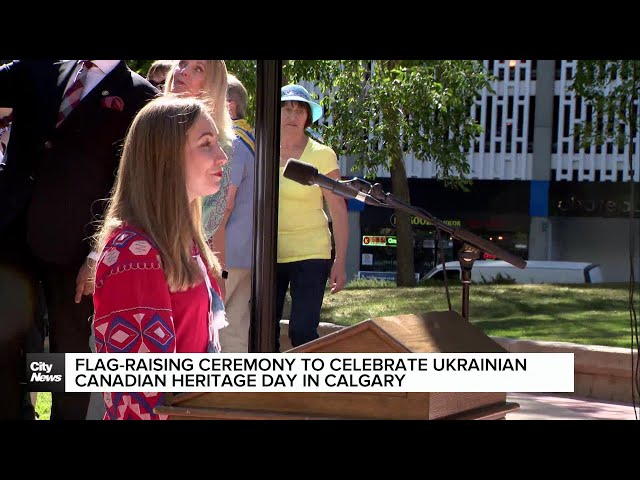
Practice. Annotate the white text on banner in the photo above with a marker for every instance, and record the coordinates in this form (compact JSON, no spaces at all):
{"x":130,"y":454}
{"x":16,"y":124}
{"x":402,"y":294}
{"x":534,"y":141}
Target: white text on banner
{"x":320,"y":372}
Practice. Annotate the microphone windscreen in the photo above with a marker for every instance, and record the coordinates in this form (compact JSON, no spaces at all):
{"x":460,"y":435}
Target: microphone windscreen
{"x":300,"y":172}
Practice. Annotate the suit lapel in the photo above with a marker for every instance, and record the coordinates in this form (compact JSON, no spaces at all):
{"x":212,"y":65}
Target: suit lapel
{"x":109,"y":85}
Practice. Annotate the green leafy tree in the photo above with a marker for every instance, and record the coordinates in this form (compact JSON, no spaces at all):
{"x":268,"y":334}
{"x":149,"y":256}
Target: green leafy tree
{"x":384,"y":109}
{"x":141,"y":67}
{"x":611,"y":88}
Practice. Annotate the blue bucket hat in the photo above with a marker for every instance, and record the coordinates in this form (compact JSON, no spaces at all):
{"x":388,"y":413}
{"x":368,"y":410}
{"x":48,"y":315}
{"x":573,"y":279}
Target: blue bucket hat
{"x":297,"y":93}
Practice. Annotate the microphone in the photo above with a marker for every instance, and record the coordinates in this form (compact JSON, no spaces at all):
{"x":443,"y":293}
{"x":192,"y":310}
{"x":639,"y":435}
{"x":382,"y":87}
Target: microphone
{"x":306,"y":174}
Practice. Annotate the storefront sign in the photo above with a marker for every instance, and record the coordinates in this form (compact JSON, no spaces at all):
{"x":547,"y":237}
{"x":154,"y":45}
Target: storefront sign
{"x":379,"y":241}
{"x":591,"y":199}
{"x":593,"y":207}
{"x":422,"y":222}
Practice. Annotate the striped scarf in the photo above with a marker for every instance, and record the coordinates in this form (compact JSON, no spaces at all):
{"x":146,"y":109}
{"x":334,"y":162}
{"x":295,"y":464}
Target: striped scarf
{"x":245,"y":133}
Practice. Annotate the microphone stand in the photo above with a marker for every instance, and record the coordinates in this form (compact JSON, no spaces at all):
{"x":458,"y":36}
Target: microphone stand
{"x":472,"y":246}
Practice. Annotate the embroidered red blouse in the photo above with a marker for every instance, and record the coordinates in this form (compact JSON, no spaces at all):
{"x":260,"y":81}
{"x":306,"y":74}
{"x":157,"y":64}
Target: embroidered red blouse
{"x":135,"y":312}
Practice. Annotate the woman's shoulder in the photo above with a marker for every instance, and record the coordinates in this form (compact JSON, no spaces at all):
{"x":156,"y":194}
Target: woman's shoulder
{"x":322,"y":156}
{"x":131,"y":239}
{"x":128,"y":248}
{"x":315,"y":146}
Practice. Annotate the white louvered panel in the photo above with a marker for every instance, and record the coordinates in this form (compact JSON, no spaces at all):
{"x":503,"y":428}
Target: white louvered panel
{"x":608,"y":170}
{"x":587,"y":159}
{"x":564,"y":165}
{"x":517,"y":161}
{"x":413,"y":166}
{"x":573,"y":163}
{"x":507,"y":157}
{"x":476,"y":159}
{"x":494,"y":124}
{"x":525,"y":89}
{"x":418,"y":169}
{"x":565,"y":160}
{"x":622,"y":160}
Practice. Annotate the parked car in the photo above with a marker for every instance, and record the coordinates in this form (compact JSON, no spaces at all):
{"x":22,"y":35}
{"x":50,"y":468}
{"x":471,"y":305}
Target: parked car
{"x":536,"y":271}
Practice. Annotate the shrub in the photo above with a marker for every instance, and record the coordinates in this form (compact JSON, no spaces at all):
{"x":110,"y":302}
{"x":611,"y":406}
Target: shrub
{"x":499,"y":279}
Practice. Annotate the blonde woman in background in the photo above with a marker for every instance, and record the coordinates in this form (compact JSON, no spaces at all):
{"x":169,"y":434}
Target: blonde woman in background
{"x":208,"y":79}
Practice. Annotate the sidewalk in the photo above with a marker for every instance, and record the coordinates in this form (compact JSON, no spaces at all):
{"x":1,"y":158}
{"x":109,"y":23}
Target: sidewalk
{"x":547,"y":406}
{"x":533,"y":406}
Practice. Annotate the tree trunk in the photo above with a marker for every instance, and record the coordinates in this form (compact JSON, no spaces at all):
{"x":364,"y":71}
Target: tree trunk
{"x":405,"y":272}
{"x":405,"y":269}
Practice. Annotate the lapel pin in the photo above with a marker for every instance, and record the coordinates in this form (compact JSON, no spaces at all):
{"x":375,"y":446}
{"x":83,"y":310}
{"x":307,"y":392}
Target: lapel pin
{"x":105,"y":93}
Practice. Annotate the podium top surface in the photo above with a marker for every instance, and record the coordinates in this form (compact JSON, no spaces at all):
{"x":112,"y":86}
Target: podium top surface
{"x":432,"y":332}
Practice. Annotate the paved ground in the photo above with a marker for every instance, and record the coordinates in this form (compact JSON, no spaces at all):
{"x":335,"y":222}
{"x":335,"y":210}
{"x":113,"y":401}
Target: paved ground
{"x":533,"y":406}
{"x":546,"y":406}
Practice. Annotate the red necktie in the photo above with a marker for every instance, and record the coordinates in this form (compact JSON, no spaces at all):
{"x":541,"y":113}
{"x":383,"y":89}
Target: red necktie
{"x":72,"y":96}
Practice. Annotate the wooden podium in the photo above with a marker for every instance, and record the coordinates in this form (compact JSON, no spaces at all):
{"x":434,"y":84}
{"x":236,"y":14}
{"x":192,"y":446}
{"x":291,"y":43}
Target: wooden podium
{"x":433,"y":332}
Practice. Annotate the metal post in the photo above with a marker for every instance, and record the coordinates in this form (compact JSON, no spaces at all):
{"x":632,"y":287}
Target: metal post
{"x":467,"y":255}
{"x":263,"y":286}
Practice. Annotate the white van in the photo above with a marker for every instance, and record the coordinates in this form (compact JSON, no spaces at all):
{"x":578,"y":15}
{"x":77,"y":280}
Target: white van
{"x":536,"y":271}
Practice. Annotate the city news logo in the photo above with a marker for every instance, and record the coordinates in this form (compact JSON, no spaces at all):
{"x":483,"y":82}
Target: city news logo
{"x":45,"y":372}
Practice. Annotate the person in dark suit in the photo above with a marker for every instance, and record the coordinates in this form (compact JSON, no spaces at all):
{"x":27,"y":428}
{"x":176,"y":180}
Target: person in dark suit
{"x":69,"y":121}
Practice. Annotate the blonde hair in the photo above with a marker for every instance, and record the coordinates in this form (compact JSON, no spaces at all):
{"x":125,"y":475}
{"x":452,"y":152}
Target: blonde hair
{"x":150,"y":190}
{"x":215,"y":91}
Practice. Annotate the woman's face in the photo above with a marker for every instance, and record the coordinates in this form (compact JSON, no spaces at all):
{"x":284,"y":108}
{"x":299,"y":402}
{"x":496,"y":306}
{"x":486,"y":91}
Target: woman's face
{"x":189,"y":77}
{"x":293,"y":116}
{"x":157,"y":80}
{"x":203,"y":159}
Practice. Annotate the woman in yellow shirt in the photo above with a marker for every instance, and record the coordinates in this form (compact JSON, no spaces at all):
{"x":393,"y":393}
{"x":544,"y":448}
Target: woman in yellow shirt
{"x":304,"y":238}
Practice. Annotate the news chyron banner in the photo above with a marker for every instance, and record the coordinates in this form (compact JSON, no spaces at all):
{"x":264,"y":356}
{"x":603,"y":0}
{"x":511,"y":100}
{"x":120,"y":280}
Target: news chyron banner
{"x":301,"y":372}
